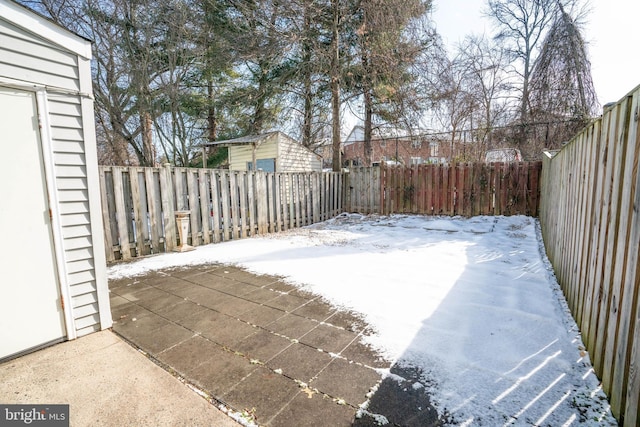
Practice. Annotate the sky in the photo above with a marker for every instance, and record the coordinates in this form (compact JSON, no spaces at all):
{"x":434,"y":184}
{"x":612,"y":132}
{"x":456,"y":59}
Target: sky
{"x":611,"y":32}
{"x":471,"y":302}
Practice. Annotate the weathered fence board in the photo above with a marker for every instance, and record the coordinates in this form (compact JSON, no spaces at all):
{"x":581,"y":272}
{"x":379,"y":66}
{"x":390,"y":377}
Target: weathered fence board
{"x":590,"y":218}
{"x":460,"y":189}
{"x":139,"y":205}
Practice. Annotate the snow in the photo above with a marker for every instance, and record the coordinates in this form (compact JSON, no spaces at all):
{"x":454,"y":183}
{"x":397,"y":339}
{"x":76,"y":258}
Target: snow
{"x":471,"y":302}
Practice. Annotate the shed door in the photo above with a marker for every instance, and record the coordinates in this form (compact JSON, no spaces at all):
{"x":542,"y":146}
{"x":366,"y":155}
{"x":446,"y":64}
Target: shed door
{"x":30,"y":309}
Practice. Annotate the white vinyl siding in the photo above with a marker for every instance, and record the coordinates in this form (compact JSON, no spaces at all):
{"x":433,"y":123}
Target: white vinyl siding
{"x":30,"y":59}
{"x":71,"y":181}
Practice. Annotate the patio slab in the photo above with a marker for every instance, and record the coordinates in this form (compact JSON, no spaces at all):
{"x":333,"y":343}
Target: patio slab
{"x":253,"y":343}
{"x":105,"y":382}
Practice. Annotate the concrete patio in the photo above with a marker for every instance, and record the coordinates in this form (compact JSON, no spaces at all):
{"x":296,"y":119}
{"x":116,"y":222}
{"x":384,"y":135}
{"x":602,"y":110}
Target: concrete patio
{"x":255,"y":344}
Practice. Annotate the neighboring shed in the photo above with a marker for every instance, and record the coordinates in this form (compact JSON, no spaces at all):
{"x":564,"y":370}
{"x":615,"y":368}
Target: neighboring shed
{"x":270,"y":152}
{"x":53,"y":269}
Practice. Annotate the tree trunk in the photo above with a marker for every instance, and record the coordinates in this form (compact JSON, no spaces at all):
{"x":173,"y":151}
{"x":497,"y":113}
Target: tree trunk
{"x":368,"y":104}
{"x":335,"y":87}
{"x":306,"y":81}
{"x":149,"y":152}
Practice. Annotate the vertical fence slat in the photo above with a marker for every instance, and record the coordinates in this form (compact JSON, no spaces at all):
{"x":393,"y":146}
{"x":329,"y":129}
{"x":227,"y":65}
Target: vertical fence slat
{"x":138,"y":213}
{"x":215,"y":206}
{"x":167,"y":193}
{"x":226,"y":205}
{"x":591,"y":227}
{"x":624,"y":295}
{"x":205,"y":210}
{"x":106,"y":218}
{"x":194,"y":205}
{"x":243,"y":218}
{"x":122,"y":216}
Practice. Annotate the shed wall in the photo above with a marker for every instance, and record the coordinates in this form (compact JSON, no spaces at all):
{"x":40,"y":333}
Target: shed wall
{"x":30,"y":60}
{"x":240,"y":155}
{"x":294,"y":157}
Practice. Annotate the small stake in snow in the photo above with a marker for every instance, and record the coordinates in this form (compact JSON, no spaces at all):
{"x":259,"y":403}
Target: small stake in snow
{"x":182,"y":218}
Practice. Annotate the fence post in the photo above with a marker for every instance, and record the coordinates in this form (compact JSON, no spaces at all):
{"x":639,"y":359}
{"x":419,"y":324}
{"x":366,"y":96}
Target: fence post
{"x":168,"y":208}
{"x":108,"y":241}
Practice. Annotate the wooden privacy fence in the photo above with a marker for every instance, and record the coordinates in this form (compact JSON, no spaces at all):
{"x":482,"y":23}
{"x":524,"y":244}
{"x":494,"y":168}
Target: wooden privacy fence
{"x":139,"y":205}
{"x":466,"y":189}
{"x":590,"y":218}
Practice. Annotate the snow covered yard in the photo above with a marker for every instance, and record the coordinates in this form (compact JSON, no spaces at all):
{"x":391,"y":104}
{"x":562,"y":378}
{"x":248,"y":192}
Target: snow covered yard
{"x":473,"y":303}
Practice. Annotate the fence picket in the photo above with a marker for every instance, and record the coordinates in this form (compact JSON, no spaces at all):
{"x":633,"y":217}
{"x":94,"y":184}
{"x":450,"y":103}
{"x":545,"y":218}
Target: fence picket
{"x":226,"y":205}
{"x":106,"y":217}
{"x":205,"y":211}
{"x":591,"y":229}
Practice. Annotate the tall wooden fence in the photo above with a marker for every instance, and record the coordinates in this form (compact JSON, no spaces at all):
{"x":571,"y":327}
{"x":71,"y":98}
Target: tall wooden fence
{"x":590,"y":218}
{"x":466,"y":189}
{"x":139,"y":205}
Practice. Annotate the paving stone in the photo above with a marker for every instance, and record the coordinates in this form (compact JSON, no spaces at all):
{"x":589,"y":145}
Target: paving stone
{"x":292,"y":326}
{"x":302,"y":293}
{"x":262,"y":345}
{"x":316,"y":309}
{"x":312,"y":410}
{"x":209,"y":280}
{"x":402,"y":403}
{"x":261,"y":295}
{"x":221,"y":373}
{"x":238,"y":289}
{"x":160,"y":302}
{"x":208,"y":297}
{"x":176,"y":286}
{"x":300,"y":362}
{"x":348,"y":320}
{"x":328,"y":338}
{"x":363,"y":353}
{"x":280,"y":286}
{"x":347,"y":381}
{"x":117,"y":300}
{"x":199,"y":329}
{"x":126,"y":313}
{"x":162,"y":338}
{"x":189,"y":354}
{"x":218,"y":327}
{"x":236,"y":306}
{"x":264,"y":391}
{"x":133,"y":292}
{"x":287,"y":302}
{"x":244,"y":276}
{"x":261,"y":315}
{"x":184,"y":273}
{"x":181,"y":310}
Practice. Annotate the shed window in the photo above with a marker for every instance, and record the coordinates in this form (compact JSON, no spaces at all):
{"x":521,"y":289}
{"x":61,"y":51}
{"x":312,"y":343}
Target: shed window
{"x":265,"y":165}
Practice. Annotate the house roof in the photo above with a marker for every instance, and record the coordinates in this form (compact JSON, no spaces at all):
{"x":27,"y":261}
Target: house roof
{"x":44,"y":27}
{"x":243,"y":140}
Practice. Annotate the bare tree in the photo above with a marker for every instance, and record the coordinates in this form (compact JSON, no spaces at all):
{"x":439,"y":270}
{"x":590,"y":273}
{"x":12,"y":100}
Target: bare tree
{"x":521,"y":25}
{"x":562,"y":91}
{"x":485,"y":65}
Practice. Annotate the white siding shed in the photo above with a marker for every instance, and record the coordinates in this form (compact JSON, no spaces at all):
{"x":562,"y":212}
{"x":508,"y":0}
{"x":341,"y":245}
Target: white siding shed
{"x":53,"y":284}
{"x":275,"y":148}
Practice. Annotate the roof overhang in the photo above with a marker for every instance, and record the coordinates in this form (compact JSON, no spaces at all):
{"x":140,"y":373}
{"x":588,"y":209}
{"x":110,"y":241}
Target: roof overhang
{"x":42,"y":27}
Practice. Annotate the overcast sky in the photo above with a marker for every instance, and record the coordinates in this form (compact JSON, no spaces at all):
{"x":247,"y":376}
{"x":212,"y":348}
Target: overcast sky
{"x":611,"y":32}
